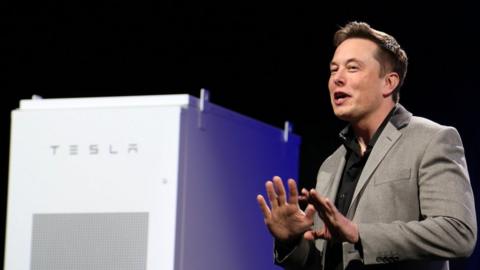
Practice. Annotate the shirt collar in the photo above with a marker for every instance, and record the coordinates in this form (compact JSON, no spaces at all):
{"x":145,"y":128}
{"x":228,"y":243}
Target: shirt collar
{"x":350,"y":140}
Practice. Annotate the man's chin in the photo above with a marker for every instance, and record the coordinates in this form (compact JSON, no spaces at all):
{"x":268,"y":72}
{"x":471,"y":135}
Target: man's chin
{"x":342,"y":115}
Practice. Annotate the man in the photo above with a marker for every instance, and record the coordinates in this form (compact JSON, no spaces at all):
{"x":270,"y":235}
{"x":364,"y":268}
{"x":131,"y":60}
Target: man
{"x":395,"y":195}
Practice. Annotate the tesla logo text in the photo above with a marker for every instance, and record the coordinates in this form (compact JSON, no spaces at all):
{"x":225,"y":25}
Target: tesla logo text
{"x":94,"y":149}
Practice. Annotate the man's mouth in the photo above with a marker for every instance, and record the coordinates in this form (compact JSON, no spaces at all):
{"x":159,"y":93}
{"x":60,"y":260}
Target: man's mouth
{"x":340,"y":97}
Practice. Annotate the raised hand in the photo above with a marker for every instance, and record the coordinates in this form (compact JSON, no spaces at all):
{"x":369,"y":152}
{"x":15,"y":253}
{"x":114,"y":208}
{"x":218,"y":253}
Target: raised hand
{"x":337,"y":226}
{"x":285,"y":220}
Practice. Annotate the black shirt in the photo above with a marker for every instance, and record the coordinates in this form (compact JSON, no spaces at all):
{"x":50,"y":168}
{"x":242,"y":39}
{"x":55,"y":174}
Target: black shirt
{"x":351,"y":173}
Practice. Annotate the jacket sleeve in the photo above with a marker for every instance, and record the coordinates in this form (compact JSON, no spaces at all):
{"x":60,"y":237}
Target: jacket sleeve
{"x":447,"y":225}
{"x":303,"y":256}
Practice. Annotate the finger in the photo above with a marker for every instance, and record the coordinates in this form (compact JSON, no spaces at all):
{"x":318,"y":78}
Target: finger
{"x":329,"y":214}
{"x":314,"y":234}
{"x":320,"y":234}
{"x":272,"y":196}
{"x":308,"y":235}
{"x":314,"y":199}
{"x":292,"y":188}
{"x":310,"y":211}
{"x":322,"y":202}
{"x":329,"y":206}
{"x":319,"y":205}
{"x":277,"y":182}
{"x":304,"y":195}
{"x":264,"y":207}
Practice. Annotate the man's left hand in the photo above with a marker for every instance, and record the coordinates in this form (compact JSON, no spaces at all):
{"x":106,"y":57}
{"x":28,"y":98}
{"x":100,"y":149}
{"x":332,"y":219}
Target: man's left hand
{"x":337,"y":226}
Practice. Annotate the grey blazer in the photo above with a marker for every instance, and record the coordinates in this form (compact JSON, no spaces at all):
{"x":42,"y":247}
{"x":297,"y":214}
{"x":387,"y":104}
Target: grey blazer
{"x":413,"y":202}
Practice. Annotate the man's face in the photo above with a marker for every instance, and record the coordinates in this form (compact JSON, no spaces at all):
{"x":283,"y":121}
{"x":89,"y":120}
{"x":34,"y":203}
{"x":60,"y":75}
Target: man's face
{"x":355,"y":84}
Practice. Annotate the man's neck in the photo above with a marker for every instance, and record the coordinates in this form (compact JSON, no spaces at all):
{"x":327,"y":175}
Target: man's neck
{"x":365,"y":128}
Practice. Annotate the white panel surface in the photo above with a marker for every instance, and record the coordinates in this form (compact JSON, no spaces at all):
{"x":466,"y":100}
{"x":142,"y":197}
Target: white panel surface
{"x":94,"y":160}
{"x":104,"y":102}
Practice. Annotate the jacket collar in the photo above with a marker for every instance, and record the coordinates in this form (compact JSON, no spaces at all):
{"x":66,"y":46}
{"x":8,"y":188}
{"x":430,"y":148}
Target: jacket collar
{"x":399,"y":117}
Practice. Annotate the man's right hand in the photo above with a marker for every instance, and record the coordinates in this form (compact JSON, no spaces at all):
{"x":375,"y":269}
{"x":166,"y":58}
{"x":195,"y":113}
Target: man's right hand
{"x":285,"y":220}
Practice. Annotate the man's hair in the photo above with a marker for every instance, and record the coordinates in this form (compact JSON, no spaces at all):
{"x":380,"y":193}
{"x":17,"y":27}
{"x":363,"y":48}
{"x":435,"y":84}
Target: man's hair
{"x":390,"y":55}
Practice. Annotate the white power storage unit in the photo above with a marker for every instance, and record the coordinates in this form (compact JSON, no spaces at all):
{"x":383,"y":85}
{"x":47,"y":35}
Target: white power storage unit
{"x":140,"y":183}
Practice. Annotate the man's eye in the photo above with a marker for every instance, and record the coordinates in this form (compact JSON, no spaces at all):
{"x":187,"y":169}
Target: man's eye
{"x":352,"y":68}
{"x":333,"y":70}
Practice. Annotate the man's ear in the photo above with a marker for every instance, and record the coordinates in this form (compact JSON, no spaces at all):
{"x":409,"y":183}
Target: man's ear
{"x":391,"y":82}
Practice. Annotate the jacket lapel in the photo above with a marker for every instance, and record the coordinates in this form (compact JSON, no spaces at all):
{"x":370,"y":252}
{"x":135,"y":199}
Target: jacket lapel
{"x":386,"y":140}
{"x":332,"y":192}
{"x":389,"y":136}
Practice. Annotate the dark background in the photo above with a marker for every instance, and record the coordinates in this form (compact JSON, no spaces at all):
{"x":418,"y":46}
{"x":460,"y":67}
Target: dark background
{"x":265,"y":59}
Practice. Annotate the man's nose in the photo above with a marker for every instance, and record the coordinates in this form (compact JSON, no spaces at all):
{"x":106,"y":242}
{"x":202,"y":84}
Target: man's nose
{"x":338,"y":78}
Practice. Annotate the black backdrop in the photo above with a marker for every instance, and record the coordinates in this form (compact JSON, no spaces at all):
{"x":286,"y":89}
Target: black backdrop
{"x":265,"y":59}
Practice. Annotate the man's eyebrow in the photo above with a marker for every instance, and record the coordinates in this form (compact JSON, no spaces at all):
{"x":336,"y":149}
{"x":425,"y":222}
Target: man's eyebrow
{"x":354,"y":60}
{"x":350,"y":60}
